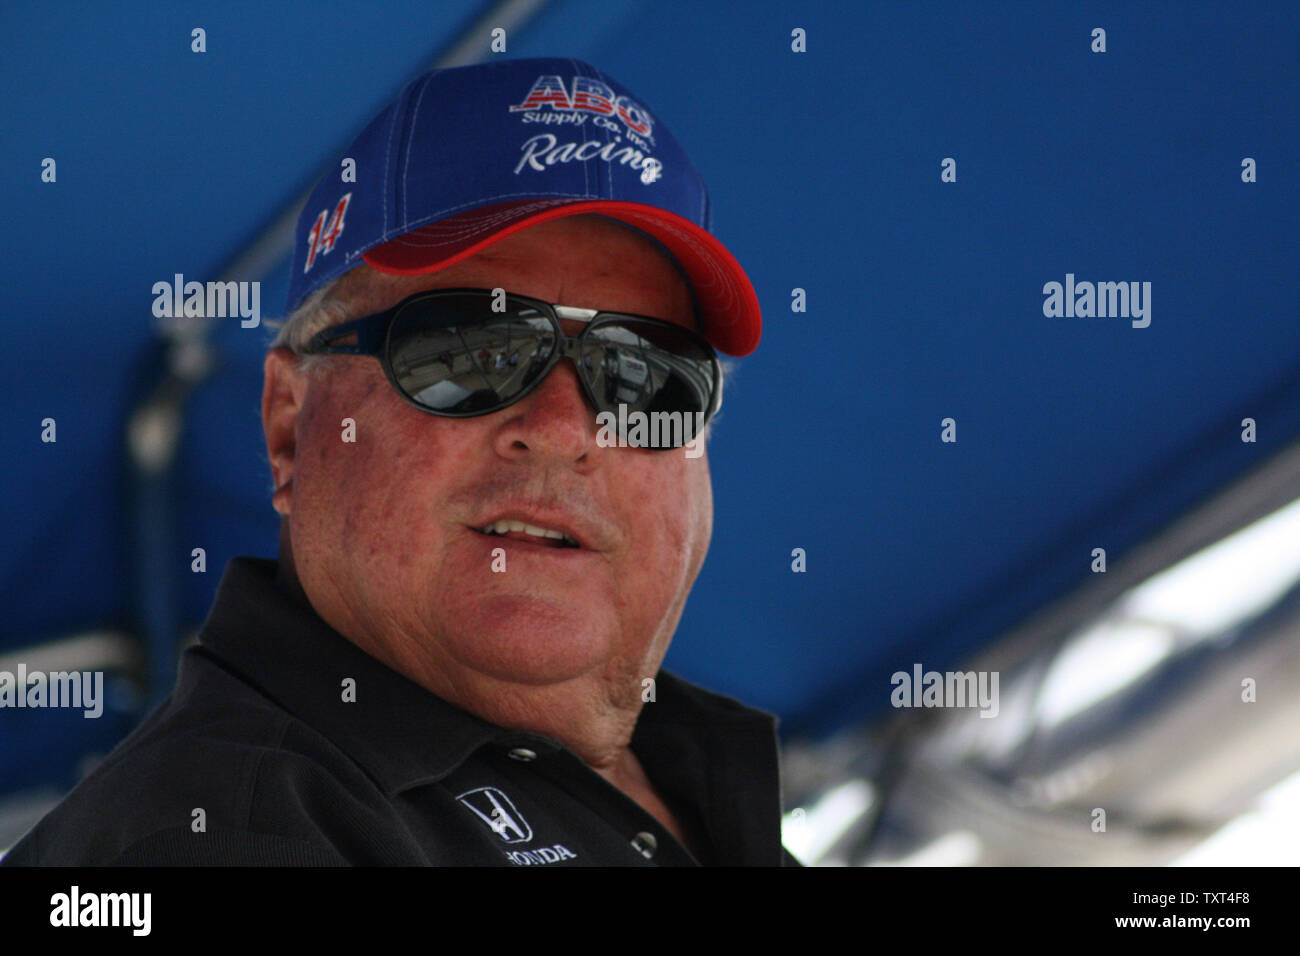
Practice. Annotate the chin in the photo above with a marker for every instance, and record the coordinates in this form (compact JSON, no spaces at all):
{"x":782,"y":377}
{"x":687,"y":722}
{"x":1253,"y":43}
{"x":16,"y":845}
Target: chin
{"x":529,"y":640}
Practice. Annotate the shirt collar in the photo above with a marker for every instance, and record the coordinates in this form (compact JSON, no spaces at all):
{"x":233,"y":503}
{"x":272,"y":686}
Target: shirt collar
{"x":399,"y":732}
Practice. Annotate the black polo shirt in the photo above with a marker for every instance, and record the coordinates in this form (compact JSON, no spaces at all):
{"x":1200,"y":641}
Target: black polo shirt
{"x":261,"y":755}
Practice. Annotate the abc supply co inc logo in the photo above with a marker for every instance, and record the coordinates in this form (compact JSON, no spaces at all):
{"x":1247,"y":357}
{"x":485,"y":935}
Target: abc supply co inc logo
{"x":626,"y":128}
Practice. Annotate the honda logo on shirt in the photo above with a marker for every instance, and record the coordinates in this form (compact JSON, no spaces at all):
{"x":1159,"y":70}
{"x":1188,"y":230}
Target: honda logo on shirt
{"x":495,"y":809}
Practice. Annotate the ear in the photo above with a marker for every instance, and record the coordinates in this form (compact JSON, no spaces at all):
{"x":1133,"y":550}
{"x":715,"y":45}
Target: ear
{"x":284,"y":390}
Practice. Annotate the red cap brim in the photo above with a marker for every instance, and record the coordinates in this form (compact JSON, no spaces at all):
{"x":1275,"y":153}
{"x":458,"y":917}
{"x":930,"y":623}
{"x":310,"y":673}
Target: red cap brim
{"x":732,"y":321}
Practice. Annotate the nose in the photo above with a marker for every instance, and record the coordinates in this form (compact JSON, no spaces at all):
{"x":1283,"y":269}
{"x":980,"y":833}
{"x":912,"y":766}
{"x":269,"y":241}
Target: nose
{"x":553,"y":421}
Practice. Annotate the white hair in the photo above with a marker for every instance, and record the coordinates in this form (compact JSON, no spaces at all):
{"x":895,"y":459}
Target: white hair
{"x":340,"y":300}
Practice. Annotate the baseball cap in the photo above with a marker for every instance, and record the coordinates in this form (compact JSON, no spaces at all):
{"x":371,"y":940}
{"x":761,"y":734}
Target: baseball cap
{"x":469,"y":155}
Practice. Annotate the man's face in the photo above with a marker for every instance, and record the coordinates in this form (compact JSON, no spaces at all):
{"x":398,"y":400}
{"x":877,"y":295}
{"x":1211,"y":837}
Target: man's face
{"x":383,"y":529}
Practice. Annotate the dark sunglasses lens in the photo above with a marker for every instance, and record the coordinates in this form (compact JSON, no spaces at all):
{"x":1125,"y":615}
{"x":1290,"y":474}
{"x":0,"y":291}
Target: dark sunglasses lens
{"x":453,"y":354}
{"x":651,"y":369}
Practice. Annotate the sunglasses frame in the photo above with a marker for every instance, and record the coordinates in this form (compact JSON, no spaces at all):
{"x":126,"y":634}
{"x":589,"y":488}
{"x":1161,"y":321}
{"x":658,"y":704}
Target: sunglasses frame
{"x":373,"y":334}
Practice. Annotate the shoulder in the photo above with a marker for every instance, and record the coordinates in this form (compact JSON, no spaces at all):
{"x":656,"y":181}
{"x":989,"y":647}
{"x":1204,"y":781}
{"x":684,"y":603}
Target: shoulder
{"x":223,"y":776}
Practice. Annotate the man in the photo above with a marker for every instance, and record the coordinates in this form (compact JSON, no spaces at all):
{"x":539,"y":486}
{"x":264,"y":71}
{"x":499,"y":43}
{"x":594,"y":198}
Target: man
{"x":484,"y":552}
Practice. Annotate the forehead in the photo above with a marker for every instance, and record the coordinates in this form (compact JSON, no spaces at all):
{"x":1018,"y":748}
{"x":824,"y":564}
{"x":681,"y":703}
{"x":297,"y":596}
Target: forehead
{"x":587,"y":261}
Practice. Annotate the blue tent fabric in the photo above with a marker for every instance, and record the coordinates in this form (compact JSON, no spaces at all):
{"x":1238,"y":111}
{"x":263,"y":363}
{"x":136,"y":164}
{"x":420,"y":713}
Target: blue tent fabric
{"x":924,"y":298}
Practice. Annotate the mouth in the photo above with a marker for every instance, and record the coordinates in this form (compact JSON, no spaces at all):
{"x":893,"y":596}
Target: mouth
{"x":533,"y":534}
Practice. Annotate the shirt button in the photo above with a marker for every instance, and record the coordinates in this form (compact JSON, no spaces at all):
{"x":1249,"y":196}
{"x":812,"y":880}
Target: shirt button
{"x":523,"y":754}
{"x":645,"y":844}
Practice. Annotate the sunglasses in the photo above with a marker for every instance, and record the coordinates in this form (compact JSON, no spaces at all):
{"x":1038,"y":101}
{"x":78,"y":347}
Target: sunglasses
{"x":461,"y":353}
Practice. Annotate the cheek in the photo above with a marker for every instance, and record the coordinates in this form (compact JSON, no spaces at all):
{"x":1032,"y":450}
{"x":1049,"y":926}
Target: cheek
{"x":700,"y":486}
{"x":673,"y":504}
{"x":336,"y":447}
{"x":370,"y":473}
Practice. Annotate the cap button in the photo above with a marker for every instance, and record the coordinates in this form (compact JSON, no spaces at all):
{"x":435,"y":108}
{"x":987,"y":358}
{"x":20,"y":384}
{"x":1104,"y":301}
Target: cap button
{"x":523,"y":754}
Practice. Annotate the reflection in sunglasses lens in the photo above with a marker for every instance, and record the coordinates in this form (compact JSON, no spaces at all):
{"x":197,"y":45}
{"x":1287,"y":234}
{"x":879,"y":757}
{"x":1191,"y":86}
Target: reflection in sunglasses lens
{"x":450,"y":358}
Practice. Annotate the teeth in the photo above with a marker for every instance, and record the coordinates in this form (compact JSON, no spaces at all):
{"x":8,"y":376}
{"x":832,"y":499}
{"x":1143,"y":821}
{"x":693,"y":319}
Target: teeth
{"x":506,"y":525}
